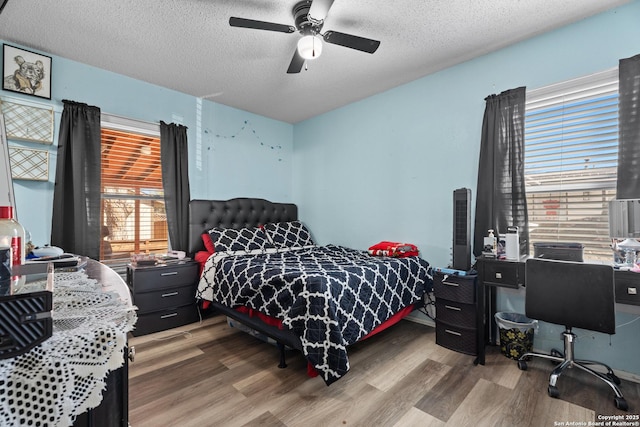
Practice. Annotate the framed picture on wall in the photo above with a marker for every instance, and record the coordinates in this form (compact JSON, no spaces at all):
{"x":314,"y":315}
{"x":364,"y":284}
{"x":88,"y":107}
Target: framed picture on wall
{"x":26,"y":72}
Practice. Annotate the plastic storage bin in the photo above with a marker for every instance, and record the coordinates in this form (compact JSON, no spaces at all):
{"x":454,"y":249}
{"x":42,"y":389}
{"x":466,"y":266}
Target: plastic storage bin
{"x":516,"y":334}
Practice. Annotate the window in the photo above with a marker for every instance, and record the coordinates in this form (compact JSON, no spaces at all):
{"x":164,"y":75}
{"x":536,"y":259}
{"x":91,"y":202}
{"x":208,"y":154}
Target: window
{"x":571,"y":155}
{"x":133,"y":212}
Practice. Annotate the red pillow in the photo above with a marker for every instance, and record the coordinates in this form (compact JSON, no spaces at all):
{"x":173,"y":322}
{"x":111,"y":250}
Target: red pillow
{"x":201,"y":258}
{"x":206,"y":239}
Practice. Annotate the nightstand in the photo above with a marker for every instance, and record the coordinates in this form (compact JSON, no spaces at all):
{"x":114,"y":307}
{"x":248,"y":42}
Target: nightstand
{"x":457,"y":316}
{"x":164,"y":295}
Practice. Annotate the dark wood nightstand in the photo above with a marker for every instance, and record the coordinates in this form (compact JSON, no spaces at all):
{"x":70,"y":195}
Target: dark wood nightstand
{"x":457,"y":313}
{"x":165,"y":295}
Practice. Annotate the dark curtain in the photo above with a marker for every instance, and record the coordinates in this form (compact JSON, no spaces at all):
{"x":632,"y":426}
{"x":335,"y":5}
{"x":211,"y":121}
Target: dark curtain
{"x":175,"y":180}
{"x":628,"y":185}
{"x":501,"y":199}
{"x":75,"y":224}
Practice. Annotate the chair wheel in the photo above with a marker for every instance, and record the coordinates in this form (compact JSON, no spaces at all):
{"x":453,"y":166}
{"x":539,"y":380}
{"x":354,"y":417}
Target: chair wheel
{"x":613,"y":377}
{"x":553,"y":392}
{"x":621,"y":403}
{"x":522,"y":365}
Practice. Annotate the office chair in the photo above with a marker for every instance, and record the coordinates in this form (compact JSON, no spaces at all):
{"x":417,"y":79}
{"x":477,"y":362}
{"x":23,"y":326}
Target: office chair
{"x":572,"y":294}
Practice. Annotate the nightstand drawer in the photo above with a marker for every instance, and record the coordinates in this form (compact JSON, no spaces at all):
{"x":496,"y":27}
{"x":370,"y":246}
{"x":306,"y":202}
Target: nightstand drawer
{"x":503,"y":273}
{"x":463,"y":340}
{"x":165,"y":319}
{"x":165,"y":298}
{"x":146,"y":279}
{"x":455,"y":288}
{"x":627,"y":287}
{"x":455,"y":313}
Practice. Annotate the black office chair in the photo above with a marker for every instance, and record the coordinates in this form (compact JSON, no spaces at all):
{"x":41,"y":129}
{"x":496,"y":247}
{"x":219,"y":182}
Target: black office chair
{"x":572,"y":294}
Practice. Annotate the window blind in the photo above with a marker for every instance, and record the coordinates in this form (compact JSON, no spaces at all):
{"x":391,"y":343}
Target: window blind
{"x":571,"y":153}
{"x":134,"y":218}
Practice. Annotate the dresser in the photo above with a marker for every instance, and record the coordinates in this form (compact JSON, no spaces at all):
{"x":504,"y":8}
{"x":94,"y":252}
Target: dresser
{"x":458,"y":318}
{"x":164,"y":295}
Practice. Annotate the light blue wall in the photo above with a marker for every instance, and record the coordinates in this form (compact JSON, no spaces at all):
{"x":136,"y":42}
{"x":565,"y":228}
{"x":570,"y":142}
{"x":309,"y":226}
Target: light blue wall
{"x":232,"y":153}
{"x":385,"y":168}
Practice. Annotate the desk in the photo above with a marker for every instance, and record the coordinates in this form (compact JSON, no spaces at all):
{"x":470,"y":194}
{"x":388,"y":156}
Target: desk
{"x":494,"y":273}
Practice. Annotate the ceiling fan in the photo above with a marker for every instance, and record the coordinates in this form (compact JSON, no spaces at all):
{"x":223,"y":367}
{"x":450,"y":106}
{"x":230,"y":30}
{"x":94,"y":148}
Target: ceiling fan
{"x":309,"y":18}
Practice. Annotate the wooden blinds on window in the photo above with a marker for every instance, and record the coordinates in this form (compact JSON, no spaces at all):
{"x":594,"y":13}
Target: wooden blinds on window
{"x":130,"y":160}
{"x":133,"y":210}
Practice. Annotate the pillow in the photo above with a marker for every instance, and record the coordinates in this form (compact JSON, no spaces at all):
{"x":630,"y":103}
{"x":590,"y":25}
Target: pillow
{"x":243,"y":239}
{"x":208,"y":243}
{"x":288,"y":234}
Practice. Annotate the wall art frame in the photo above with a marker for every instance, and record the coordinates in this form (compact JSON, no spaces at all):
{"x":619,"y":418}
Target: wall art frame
{"x":29,"y":164}
{"x":28,"y":122}
{"x":26,"y":72}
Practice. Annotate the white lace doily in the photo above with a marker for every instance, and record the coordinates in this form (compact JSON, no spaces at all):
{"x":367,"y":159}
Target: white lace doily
{"x":65,"y":375}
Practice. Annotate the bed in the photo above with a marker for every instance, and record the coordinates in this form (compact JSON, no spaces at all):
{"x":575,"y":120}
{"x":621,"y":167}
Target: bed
{"x":261,"y":268}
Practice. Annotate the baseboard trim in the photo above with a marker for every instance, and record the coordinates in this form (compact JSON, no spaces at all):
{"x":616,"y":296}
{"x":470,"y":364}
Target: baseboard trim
{"x":420,"y":318}
{"x":628,"y":376}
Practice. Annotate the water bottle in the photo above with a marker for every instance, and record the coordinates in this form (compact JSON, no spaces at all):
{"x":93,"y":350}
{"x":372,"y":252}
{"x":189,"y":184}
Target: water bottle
{"x":12,"y":236}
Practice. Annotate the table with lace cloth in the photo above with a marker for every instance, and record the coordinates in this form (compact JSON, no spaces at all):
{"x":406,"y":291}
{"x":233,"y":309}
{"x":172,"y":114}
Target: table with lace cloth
{"x":65,"y":376}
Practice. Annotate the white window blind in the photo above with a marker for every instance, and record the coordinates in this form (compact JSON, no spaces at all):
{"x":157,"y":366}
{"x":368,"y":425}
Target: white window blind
{"x":571,"y":153}
{"x":133,"y":211}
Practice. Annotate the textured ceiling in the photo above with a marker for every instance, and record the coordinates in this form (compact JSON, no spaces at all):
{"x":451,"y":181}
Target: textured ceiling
{"x":188,"y":45}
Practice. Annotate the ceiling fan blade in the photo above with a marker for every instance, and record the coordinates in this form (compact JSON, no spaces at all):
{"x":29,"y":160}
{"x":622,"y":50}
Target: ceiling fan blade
{"x":296,"y":63}
{"x":353,"y":42}
{"x":260,"y":25}
{"x":319,"y":9}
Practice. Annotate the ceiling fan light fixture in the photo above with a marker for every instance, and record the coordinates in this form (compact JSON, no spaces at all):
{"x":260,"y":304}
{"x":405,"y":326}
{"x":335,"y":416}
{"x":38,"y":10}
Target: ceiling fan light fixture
{"x":310,"y":46}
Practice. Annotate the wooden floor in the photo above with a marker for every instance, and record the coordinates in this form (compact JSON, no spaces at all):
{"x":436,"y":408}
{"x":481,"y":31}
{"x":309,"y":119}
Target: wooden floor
{"x":208,"y":374}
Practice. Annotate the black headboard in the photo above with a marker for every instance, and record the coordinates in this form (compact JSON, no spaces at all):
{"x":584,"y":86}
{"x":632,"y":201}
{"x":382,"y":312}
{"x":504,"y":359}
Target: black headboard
{"x":233,"y":213}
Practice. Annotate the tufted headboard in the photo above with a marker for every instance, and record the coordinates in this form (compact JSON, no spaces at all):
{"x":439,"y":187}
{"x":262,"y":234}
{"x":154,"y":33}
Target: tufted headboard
{"x":233,"y":213}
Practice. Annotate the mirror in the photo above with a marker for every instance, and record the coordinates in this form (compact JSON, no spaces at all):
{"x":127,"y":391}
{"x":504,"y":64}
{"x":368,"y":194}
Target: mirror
{"x":624,"y":218}
{"x":7,"y":197}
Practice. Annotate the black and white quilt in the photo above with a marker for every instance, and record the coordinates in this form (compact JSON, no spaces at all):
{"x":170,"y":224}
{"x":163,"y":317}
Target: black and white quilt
{"x":330,"y":296}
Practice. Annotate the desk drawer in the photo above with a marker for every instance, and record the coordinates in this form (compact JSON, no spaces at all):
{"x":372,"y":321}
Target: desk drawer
{"x":463,"y":340}
{"x":627,"y":287}
{"x":166,"y":298}
{"x":503,"y":273}
{"x":165,"y":319}
{"x":456,"y":313}
{"x":455,"y":288}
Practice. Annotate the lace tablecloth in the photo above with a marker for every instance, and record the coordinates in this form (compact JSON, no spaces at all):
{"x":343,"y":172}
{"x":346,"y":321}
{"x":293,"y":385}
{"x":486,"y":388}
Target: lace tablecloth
{"x":65,"y":375}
